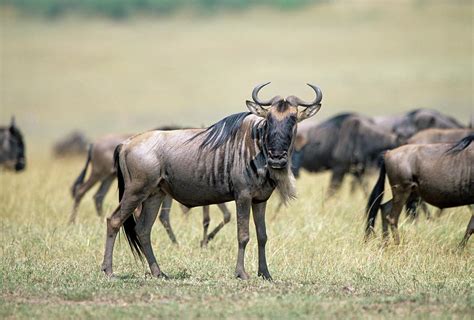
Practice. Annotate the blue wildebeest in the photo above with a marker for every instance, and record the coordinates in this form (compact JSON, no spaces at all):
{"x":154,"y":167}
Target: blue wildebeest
{"x":345,"y":143}
{"x":244,"y":157}
{"x":100,"y":159}
{"x":12,"y":148}
{"x":441,"y":174}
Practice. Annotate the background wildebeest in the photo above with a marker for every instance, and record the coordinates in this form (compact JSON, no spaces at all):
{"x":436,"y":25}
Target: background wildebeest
{"x":351,"y":143}
{"x":346,"y":143}
{"x":73,"y":144}
{"x":440,"y":174}
{"x":243,"y":157}
{"x":103,"y":171}
{"x":406,"y":125}
{"x":439,"y":136}
{"x":428,"y":136}
{"x":12,"y":147}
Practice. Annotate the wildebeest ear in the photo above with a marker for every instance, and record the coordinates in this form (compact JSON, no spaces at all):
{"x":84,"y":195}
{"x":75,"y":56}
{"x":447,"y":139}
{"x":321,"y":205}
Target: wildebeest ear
{"x":256,"y":109}
{"x":308,"y":112}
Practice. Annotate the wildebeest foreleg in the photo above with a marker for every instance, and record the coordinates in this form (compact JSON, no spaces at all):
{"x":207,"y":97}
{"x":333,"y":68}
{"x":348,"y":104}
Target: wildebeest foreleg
{"x":100,"y":194}
{"x":243,"y":215}
{"x":144,"y":225}
{"x":226,"y":220}
{"x":165,"y":217}
{"x":258,"y":210}
{"x":336,"y":181}
{"x":469,"y":231}
{"x":81,"y":191}
{"x":400,"y":197}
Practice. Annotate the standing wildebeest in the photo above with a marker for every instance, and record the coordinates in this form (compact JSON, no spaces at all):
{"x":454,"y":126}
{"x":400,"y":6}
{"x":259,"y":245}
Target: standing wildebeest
{"x":100,"y":159}
{"x":346,"y":143}
{"x":12,"y":148}
{"x":433,"y":136}
{"x":440,"y":174}
{"x":243,"y":157}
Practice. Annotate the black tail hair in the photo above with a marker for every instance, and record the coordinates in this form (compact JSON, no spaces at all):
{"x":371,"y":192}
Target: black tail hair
{"x":80,"y":179}
{"x":375,"y":199}
{"x":129,"y":224}
{"x":461,"y":145}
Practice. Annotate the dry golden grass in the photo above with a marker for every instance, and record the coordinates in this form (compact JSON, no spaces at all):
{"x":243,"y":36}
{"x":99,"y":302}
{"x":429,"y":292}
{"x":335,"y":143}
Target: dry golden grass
{"x":104,"y":76}
{"x":315,"y":253}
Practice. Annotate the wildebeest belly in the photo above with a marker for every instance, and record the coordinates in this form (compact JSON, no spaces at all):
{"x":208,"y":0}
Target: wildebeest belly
{"x":195,"y":193}
{"x":448,"y":192}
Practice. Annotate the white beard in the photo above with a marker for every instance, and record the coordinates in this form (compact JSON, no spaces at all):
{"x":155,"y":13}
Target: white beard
{"x":285,"y":181}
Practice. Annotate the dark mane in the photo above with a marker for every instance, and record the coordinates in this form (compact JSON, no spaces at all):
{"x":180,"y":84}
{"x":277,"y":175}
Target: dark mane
{"x":220,"y":132}
{"x":461,"y":145}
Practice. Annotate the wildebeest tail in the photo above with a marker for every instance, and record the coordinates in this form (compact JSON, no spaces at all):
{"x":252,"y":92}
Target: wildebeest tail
{"x":80,"y":179}
{"x":129,"y":224}
{"x":375,"y":199}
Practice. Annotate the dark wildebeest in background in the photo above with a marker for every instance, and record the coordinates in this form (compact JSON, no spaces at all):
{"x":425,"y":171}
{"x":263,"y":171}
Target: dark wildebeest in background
{"x":406,"y":125}
{"x":12,"y":148}
{"x":440,"y":174}
{"x":73,"y":144}
{"x":100,"y":160}
{"x":243,"y":157}
{"x":359,"y":148}
{"x":346,"y":143}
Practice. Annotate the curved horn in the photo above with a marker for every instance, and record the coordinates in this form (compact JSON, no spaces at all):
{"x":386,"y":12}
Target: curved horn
{"x":255,"y":95}
{"x":317,"y":100}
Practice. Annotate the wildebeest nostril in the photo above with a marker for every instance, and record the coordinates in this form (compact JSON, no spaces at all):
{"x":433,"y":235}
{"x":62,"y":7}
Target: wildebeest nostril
{"x":277,"y":154}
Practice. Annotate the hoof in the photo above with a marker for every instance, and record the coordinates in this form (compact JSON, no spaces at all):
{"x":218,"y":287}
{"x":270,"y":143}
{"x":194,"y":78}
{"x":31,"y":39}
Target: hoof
{"x":242,"y":275}
{"x":265,"y":276}
{"x":161,"y":275}
{"x":203,"y":244}
{"x":109,"y":275}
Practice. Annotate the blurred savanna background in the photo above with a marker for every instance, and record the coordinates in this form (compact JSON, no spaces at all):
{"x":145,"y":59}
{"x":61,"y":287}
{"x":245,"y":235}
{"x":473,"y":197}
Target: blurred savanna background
{"x":124,"y":66}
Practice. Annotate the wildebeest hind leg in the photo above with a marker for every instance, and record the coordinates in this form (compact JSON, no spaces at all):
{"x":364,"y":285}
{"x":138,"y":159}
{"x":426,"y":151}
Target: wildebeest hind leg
{"x":144,"y":225}
{"x":258,"y":210}
{"x":100,"y":194}
{"x":226,"y":214}
{"x":385,"y":209}
{"x":165,"y":217}
{"x":469,"y":231}
{"x":400,"y":197}
{"x":81,"y":191}
{"x":206,"y":219}
{"x":128,"y":204}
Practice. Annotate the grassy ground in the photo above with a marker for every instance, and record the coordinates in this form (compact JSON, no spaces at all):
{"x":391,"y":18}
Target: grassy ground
{"x":106,"y":76}
{"x":316,"y":255}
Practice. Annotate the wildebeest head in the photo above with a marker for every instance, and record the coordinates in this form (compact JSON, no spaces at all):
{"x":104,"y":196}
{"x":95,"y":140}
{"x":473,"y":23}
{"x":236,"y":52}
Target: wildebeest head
{"x":12,"y":148}
{"x":282,"y":116}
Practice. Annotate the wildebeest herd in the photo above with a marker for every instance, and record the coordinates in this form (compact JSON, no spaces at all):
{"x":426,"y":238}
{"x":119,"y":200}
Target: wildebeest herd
{"x":427,"y":156}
